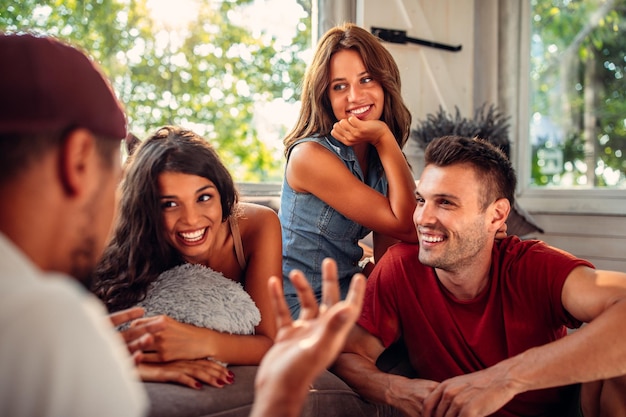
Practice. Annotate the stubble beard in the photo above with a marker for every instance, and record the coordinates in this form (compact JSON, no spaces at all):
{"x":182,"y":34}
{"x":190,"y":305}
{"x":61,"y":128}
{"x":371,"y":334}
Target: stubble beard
{"x":84,"y":261}
{"x":86,"y":253}
{"x":460,"y":252}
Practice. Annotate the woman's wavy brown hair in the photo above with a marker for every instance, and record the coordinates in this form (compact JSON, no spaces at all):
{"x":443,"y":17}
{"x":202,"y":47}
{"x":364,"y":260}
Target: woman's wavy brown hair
{"x":316,"y":114}
{"x":138,"y":251}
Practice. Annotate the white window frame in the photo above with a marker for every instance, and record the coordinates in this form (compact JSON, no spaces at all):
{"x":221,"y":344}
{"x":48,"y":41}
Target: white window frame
{"x":594,"y":201}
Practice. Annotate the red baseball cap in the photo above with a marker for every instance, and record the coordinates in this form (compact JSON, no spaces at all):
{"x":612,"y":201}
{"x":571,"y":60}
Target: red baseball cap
{"x":47,"y":85}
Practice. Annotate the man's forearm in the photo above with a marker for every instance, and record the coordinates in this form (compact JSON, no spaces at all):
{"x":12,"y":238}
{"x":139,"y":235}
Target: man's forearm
{"x":365,"y":378}
{"x":595,"y":349}
{"x":376,"y":386}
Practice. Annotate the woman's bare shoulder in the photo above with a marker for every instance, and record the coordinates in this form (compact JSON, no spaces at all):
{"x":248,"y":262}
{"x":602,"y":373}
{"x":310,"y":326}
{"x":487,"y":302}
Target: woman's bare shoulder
{"x":249,"y":210}
{"x":260,"y":229}
{"x":252,"y":216}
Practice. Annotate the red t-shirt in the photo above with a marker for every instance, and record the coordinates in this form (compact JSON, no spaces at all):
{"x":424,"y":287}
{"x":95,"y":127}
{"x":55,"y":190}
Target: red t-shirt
{"x":520,"y":308}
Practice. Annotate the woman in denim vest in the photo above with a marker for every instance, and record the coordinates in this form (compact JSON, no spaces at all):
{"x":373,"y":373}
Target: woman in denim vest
{"x":346,"y":174}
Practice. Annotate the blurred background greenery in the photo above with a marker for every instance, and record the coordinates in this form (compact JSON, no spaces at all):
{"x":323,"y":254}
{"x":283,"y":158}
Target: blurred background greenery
{"x":229,"y":69}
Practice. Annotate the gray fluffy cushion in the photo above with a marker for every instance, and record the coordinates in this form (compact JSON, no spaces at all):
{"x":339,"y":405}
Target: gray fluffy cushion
{"x":198,"y":295}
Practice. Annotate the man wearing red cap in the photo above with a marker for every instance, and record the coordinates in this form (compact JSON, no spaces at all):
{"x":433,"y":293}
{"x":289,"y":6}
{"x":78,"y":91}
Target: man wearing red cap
{"x":60,"y":132}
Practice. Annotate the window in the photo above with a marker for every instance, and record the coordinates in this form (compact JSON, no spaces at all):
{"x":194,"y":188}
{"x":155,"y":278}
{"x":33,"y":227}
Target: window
{"x":578,"y":94}
{"x":569,"y":156}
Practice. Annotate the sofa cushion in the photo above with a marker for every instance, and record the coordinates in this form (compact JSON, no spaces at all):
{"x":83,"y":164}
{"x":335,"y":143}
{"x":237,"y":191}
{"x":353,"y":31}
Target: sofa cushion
{"x":329,"y":396}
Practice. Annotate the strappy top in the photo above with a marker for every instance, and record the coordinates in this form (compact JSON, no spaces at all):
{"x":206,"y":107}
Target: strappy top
{"x":234,"y":228}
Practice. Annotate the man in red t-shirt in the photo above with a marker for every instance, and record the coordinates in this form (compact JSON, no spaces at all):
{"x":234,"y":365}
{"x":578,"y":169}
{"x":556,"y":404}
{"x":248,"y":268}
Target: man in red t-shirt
{"x":483,"y":320}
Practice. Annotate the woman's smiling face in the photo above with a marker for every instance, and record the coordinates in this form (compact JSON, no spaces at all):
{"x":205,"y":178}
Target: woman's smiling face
{"x":192,"y":214}
{"x":352,"y":91}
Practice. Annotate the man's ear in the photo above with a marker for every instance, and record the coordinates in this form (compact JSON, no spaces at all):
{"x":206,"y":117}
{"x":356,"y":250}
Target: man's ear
{"x":500,"y":212}
{"x":78,"y":152}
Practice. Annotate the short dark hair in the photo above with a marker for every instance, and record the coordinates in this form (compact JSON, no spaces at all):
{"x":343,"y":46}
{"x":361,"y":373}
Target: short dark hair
{"x":491,"y":164}
{"x":19,"y":151}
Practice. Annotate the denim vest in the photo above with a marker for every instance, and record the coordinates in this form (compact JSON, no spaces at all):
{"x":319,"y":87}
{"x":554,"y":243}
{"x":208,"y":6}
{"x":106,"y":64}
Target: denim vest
{"x":312,"y":230}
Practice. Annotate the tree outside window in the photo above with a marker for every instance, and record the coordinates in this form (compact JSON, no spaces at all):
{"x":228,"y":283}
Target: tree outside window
{"x":578,"y":93}
{"x":227,"y":69}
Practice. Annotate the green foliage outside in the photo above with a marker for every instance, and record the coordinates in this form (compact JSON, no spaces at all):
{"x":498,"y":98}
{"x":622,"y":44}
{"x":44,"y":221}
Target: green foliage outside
{"x":207,"y":75}
{"x":578,"y":83}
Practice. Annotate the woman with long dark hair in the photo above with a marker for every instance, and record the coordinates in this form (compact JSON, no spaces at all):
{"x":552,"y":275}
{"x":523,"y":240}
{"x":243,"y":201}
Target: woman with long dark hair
{"x":178,"y":204}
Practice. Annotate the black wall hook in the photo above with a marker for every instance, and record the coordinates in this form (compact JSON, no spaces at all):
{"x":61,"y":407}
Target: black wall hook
{"x":399,"y":36}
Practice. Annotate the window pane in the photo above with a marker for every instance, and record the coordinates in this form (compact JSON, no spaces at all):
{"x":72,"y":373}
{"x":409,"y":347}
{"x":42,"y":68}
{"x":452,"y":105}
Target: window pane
{"x":578,"y":93}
